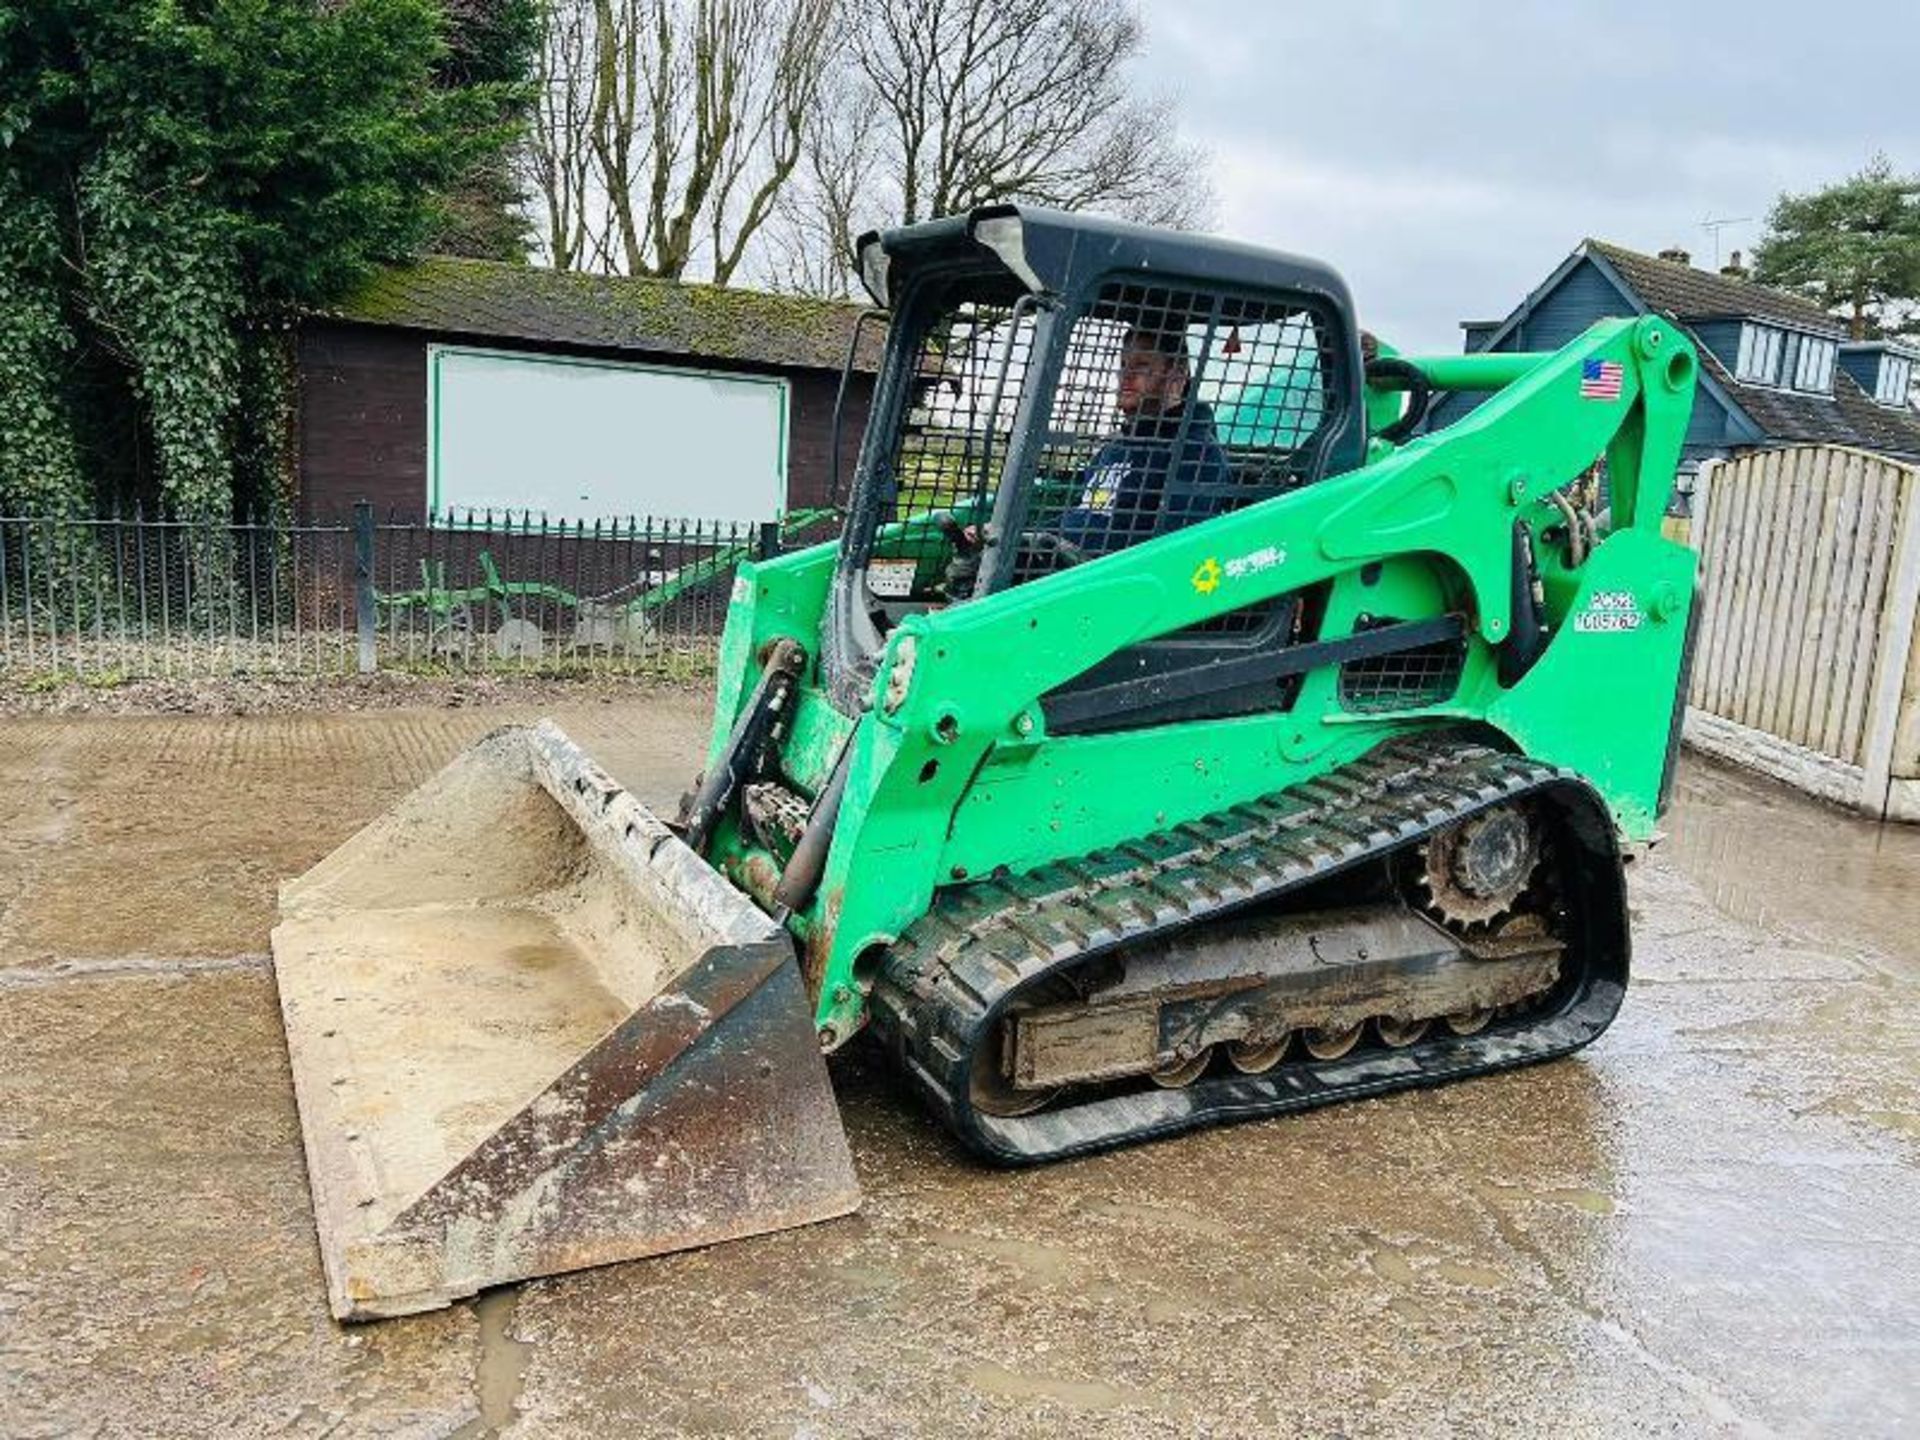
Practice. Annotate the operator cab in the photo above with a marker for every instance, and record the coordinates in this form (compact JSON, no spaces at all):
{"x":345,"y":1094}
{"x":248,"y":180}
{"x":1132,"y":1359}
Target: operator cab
{"x":1058,"y":388}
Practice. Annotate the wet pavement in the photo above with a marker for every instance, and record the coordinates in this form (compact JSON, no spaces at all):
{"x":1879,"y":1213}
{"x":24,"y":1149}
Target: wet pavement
{"x":1703,"y":1224}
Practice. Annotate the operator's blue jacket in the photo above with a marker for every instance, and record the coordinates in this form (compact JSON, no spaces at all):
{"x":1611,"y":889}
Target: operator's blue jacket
{"x":1135,"y":487}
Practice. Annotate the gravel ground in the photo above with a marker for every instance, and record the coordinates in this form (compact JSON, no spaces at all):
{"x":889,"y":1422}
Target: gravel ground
{"x":326,"y":695}
{"x":1701,"y":1225}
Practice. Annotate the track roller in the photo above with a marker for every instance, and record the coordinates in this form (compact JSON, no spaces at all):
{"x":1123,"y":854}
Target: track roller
{"x":1182,"y":1072}
{"x":1330,"y":1044}
{"x":1250,"y":1058}
{"x":1398,"y":1034}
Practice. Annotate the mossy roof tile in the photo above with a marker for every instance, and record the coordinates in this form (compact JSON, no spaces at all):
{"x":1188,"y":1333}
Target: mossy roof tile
{"x":489,"y":299}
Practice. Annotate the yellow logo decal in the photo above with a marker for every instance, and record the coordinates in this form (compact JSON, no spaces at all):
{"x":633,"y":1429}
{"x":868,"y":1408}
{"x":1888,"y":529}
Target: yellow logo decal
{"x":1206,"y":577}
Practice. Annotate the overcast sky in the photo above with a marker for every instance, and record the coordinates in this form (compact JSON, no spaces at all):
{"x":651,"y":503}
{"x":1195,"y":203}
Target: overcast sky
{"x":1446,"y":155}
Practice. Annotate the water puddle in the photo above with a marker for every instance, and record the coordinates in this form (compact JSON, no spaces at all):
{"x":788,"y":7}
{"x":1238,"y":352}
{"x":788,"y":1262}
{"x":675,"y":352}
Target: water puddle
{"x":1905,"y":1123}
{"x":1901,"y":1122}
{"x":1173,"y":1310}
{"x":1773,"y":858}
{"x":1042,"y":1262}
{"x":1163,"y":1216}
{"x":1575,"y":1197}
{"x":502,"y":1372}
{"x":1393,"y":1266}
{"x":1592,"y":1202}
{"x":1474,"y":1277}
{"x":1397,"y":1266}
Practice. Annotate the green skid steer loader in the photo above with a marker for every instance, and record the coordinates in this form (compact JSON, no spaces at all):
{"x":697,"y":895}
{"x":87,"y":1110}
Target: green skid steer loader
{"x":1174,"y":735}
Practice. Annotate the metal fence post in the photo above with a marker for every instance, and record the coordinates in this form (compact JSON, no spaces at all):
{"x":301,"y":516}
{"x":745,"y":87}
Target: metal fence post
{"x":363,"y":583}
{"x":769,"y":540}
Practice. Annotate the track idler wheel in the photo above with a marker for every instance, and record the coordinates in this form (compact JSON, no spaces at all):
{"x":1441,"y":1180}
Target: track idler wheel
{"x":990,"y":1087}
{"x":994,"y":1094}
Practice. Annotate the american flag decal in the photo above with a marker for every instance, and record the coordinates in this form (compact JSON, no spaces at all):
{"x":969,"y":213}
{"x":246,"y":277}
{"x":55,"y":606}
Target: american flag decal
{"x":1600,"y":380}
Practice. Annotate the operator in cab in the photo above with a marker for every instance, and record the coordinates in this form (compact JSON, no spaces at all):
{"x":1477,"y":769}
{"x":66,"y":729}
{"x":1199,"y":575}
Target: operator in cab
{"x":1136,"y":486}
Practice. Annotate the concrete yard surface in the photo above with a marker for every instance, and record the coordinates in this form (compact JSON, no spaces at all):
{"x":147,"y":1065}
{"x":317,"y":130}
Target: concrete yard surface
{"x":1703,"y":1224}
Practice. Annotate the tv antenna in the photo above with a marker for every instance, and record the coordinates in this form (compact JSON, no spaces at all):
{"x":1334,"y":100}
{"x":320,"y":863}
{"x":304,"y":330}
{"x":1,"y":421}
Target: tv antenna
{"x":1713,"y":227}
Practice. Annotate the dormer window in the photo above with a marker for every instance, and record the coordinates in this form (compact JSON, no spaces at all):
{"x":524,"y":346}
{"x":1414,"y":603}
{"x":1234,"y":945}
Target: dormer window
{"x":1788,"y":359}
{"x":1896,"y":380}
{"x":1760,"y":347}
{"x":1813,"y":371}
{"x":1882,"y":368}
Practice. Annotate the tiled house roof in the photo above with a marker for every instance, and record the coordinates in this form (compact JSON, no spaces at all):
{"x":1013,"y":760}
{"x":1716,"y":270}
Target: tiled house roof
{"x":1688,"y":293}
{"x":1849,"y":416}
{"x":488,"y":299}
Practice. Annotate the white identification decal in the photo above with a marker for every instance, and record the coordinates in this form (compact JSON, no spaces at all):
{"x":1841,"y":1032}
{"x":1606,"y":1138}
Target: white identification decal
{"x":891,"y":579}
{"x":1258,"y":560}
{"x":741,"y":589}
{"x":1608,"y":613}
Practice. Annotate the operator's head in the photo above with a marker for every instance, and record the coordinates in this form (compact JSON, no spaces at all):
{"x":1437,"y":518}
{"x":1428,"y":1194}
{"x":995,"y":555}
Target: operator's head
{"x":1154,"y":370}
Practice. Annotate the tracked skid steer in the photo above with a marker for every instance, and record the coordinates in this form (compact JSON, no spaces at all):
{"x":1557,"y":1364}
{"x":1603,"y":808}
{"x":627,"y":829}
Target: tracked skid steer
{"x":1188,"y":726}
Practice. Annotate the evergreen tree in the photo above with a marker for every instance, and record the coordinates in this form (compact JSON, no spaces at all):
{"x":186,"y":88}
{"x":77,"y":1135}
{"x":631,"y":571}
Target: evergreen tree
{"x":1853,"y":248}
{"x":174,"y":176}
{"x":490,"y":43}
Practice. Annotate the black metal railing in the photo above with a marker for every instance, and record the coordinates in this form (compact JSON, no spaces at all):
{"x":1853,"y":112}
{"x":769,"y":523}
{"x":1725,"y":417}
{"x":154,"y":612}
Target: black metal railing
{"x":138,"y":597}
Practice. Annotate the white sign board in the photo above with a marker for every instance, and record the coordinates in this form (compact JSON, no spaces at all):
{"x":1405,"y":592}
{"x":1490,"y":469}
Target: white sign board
{"x":591,"y":439}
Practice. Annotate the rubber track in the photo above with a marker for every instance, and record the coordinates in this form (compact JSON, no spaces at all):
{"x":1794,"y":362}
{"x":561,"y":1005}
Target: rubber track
{"x":940,"y":992}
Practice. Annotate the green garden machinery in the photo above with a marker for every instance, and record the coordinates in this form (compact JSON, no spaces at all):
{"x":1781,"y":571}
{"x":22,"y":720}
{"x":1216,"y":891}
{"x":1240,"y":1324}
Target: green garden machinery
{"x":1181,"y":730}
{"x":492,"y":616}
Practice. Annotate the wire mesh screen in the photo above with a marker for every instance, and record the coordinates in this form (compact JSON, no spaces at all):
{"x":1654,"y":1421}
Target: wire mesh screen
{"x":970,"y":371}
{"x":1173,"y":406}
{"x":1423,"y":675}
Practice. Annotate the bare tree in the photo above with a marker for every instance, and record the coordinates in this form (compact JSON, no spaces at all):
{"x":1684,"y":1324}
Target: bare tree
{"x":667,"y":128}
{"x":968,"y":102}
{"x":557,"y":158}
{"x":761,"y":136}
{"x":790,"y":55}
{"x":819,"y":214}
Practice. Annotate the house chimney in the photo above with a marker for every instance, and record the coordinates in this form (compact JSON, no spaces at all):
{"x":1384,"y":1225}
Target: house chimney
{"x":1675,"y":255}
{"x":1733,"y":269}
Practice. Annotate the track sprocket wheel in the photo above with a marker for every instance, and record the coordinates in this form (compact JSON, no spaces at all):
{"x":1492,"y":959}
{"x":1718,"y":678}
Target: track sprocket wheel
{"x":1474,"y":872}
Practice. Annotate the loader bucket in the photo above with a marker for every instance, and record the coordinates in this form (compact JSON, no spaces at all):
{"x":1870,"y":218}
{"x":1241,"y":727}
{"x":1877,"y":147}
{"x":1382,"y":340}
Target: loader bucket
{"x":532,"y":1031}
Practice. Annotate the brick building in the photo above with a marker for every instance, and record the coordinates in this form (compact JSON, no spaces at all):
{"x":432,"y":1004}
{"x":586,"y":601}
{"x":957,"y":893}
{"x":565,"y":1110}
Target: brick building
{"x":456,"y":385}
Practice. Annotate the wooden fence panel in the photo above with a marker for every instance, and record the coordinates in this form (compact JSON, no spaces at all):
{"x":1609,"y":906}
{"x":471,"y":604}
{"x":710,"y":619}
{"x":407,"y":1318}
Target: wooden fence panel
{"x":1812,"y":574}
{"x":1790,"y":590}
{"x":1830,"y":677}
{"x":1822,"y":614}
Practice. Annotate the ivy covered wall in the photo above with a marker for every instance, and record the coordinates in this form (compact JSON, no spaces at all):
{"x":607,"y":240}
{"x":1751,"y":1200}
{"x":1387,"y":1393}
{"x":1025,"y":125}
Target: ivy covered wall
{"x":177,"y":177}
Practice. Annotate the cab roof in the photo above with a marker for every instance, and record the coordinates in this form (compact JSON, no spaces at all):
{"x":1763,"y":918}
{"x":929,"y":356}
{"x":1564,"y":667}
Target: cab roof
{"x":1063,"y":253}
